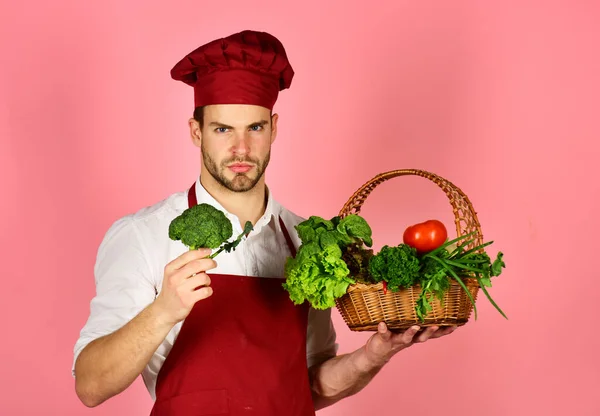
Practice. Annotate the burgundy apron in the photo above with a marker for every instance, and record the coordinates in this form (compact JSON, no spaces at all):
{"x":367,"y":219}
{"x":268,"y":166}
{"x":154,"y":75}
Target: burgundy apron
{"x":242,"y":351}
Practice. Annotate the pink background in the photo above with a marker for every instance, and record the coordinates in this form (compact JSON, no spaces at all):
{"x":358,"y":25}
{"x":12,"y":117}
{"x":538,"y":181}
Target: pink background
{"x":501,"y":98}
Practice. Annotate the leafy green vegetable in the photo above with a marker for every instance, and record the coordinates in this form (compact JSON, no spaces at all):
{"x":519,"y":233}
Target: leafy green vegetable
{"x":320,"y":278}
{"x":357,"y":258}
{"x":204,"y":226}
{"x":460,"y":264}
{"x":334,"y":254}
{"x":343,"y":231}
{"x":434,"y":283}
{"x":356,"y":228}
{"x":319,"y":274}
{"x":398,"y":266}
{"x":498,"y":265}
{"x":309,"y":229}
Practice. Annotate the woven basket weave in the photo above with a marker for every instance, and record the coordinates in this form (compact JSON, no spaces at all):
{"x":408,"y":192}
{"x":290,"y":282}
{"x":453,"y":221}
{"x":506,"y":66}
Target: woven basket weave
{"x":365,"y":305}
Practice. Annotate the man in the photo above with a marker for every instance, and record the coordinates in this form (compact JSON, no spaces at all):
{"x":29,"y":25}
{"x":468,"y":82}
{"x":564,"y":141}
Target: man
{"x":220,"y":337}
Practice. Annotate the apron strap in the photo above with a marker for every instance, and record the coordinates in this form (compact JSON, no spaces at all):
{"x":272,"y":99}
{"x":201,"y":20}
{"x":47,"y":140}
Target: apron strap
{"x":193,"y":201}
{"x":288,"y":239}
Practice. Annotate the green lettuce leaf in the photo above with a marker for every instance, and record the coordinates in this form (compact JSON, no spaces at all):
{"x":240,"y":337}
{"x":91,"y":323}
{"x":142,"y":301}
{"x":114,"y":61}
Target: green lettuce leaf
{"x":319,"y":278}
{"x":356,"y":227}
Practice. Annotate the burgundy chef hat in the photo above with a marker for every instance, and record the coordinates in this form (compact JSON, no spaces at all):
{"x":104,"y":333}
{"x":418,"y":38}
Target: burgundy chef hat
{"x":244,"y":68}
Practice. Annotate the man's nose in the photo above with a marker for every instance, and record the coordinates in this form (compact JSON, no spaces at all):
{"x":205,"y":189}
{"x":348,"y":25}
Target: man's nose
{"x":242,"y":144}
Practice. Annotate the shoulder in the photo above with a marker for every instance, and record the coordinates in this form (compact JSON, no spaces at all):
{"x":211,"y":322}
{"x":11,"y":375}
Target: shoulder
{"x":139,"y":240}
{"x":289,"y":217}
{"x":145,"y":224}
{"x":162,"y":211}
{"x":169,"y":207}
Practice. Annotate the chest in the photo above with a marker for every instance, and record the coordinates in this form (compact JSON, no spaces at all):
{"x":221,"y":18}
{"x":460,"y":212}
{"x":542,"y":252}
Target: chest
{"x":262,"y":255}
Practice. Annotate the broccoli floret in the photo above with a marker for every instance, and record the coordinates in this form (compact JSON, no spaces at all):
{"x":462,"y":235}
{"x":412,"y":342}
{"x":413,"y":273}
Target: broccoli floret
{"x":204,"y":226}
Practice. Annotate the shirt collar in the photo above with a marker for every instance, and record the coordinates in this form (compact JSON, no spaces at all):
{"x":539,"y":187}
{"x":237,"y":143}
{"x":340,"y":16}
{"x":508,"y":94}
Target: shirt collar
{"x":272,"y":210}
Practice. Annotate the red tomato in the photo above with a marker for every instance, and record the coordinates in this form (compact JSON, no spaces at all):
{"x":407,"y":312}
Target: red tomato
{"x":425,"y":236}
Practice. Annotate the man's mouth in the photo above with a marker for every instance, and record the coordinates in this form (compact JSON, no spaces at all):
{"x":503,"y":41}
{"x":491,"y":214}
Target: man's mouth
{"x":240,"y":167}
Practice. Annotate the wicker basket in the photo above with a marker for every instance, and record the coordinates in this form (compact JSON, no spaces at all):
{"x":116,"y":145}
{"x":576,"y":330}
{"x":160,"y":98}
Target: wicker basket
{"x":365,"y":305}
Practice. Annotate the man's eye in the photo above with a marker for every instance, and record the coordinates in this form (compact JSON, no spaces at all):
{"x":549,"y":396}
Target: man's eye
{"x":221,"y":129}
{"x":256,"y":128}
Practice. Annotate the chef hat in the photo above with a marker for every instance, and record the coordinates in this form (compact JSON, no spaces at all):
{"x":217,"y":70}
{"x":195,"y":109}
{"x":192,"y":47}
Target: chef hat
{"x":244,"y":68}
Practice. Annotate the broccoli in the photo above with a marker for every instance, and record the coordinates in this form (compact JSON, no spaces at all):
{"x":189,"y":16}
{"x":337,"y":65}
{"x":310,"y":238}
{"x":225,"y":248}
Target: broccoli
{"x":204,"y":226}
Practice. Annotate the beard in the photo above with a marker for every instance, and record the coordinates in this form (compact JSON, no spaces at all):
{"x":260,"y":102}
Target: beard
{"x":241,"y":182}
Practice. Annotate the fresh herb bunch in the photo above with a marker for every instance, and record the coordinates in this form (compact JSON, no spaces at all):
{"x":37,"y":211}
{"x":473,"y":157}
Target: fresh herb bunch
{"x":398,"y":266}
{"x":460,"y":263}
{"x":434,"y":283}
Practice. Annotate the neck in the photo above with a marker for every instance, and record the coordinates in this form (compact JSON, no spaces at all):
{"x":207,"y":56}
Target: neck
{"x":247,"y":206}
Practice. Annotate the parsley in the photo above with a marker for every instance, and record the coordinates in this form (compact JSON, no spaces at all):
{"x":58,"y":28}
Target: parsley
{"x":398,"y":266}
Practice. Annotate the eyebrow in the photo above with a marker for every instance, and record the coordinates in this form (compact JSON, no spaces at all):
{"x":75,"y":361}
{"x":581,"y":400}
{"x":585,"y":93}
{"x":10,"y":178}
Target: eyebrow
{"x":225,"y":126}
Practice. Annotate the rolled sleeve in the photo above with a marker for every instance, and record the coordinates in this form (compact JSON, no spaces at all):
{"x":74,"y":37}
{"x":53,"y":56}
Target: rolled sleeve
{"x":124,"y":283}
{"x":321,"y":337}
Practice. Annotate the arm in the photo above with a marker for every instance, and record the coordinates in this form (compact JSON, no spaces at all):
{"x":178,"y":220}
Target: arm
{"x":346,"y":375}
{"x":109,"y":364}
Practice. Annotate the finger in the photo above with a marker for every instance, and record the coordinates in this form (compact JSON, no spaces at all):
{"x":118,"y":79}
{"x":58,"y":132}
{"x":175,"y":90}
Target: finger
{"x":202,"y":293}
{"x":383,"y":331}
{"x":191,"y":269}
{"x":195,"y":282}
{"x":444,"y":331}
{"x":407,"y":336}
{"x":426,"y":334}
{"x":196,"y":267}
{"x":187,"y":257}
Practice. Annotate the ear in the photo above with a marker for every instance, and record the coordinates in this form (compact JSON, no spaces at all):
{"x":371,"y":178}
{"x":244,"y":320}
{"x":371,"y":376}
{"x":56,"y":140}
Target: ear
{"x":195,"y":132}
{"x":274,"y":119}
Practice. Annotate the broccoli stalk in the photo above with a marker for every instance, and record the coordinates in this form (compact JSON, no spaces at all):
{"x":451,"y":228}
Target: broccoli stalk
{"x":231,"y":245}
{"x":204,"y":226}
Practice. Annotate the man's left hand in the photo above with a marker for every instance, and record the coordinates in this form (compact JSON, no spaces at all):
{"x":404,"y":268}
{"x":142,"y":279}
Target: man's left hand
{"x":384,"y":344}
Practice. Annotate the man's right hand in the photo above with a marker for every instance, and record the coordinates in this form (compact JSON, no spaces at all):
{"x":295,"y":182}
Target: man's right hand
{"x":185,"y":282}
{"x":109,"y":364}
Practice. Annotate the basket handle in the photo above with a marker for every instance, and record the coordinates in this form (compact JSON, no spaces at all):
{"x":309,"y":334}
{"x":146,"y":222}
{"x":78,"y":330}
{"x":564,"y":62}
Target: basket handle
{"x":465,"y":216}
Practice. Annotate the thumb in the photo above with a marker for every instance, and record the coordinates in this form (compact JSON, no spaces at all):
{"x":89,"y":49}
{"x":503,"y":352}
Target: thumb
{"x":383,"y":331}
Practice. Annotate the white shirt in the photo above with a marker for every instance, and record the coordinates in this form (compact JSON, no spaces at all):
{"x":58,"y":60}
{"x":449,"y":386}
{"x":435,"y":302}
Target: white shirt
{"x":132,"y":256}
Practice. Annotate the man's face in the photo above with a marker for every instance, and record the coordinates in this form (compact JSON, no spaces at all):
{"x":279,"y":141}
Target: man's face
{"x":236,"y":144}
